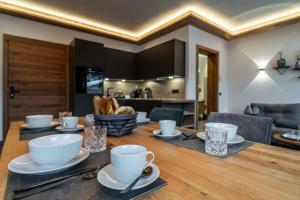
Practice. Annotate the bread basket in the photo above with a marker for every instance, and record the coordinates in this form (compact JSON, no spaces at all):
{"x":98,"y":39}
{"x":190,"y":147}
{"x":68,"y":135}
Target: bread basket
{"x":117,"y":125}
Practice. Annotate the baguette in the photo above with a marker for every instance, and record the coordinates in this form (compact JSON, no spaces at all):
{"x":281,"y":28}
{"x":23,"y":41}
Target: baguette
{"x":115,"y":104}
{"x":96,"y":101}
{"x":106,"y":107}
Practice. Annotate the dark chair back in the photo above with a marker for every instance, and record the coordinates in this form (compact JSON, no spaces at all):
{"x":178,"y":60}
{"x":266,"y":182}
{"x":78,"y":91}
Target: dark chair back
{"x":175,"y":114}
{"x":252,"y":128}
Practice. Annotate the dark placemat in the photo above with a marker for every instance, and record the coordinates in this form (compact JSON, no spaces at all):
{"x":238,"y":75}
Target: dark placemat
{"x":199,"y":145}
{"x":29,"y":134}
{"x":77,"y":189}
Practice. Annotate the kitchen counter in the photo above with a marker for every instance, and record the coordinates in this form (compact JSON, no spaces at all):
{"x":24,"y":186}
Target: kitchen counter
{"x":159,"y":99}
{"x":146,"y":105}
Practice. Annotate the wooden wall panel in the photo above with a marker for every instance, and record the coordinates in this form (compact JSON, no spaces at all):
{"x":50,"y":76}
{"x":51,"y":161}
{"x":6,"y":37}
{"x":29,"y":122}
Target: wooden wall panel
{"x":38,"y":72}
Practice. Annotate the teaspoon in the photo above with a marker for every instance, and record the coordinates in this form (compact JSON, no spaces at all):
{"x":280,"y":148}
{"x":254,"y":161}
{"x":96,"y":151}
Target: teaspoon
{"x":146,"y":172}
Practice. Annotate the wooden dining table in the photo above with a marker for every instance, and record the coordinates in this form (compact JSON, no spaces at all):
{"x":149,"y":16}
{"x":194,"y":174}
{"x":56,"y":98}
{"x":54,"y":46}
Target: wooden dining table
{"x":258,"y":172}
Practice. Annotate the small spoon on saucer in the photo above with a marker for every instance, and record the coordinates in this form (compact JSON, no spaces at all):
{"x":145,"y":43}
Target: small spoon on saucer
{"x":146,"y":172}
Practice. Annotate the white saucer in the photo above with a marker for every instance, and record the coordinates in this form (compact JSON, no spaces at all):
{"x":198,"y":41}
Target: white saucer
{"x":143,"y":121}
{"x":106,"y":178}
{"x":176,"y":133}
{"x":52,"y":124}
{"x":237,"y":139}
{"x":62,"y":129}
{"x":25,"y":165}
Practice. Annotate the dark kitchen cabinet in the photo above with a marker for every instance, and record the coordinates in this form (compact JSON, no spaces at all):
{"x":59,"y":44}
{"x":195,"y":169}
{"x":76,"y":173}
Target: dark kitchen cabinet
{"x":87,"y":53}
{"x":83,"y":54}
{"x":146,"y":64}
{"x":167,"y":59}
{"x":111,"y":57}
{"x":127,"y":64}
{"x":119,"y":64}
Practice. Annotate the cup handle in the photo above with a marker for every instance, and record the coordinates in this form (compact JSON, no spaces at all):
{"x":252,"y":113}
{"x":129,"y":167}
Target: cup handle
{"x":152,"y":158}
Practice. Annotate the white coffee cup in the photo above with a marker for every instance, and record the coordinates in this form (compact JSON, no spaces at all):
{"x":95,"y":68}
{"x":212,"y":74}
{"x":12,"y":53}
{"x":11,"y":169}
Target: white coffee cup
{"x":167,"y":127}
{"x":128,"y":161}
{"x":70,"y":122}
{"x":141,"y":116}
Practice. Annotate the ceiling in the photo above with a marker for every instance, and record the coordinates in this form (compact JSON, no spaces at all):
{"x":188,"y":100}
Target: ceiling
{"x":135,"y":18}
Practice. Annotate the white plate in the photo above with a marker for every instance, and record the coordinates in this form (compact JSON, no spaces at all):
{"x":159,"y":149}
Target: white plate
{"x":25,"y":165}
{"x":237,"y":139}
{"x":106,"y":178}
{"x":62,"y":129}
{"x":176,"y":133}
{"x":143,"y":121}
{"x":52,"y":124}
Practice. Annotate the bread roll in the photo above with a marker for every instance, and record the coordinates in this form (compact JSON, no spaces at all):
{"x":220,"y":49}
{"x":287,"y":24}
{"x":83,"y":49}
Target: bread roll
{"x":125,"y":110}
{"x":115,"y":104}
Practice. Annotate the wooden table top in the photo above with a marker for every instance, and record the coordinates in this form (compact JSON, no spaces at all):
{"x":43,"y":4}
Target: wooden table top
{"x":258,"y":172}
{"x":281,"y":139}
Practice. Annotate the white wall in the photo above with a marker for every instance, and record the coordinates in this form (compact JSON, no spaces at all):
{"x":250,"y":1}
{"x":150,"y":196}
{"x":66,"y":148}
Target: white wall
{"x":247,"y":84}
{"x":199,"y":37}
{"x":36,"y":30}
{"x":179,"y":34}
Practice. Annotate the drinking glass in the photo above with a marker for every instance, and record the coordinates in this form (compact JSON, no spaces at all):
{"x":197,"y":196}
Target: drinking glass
{"x":64,"y":114}
{"x":216,"y":142}
{"x":89,"y":120}
{"x":95,"y":138}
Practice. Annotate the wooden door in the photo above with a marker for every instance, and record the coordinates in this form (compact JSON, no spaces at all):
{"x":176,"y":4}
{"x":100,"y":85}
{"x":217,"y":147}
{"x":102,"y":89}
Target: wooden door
{"x":35,"y":78}
{"x":212,"y":83}
{"x":212,"y":104}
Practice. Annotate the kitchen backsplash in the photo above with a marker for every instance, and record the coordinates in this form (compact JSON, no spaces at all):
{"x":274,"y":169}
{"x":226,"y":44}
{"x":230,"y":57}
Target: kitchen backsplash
{"x":160,"y":89}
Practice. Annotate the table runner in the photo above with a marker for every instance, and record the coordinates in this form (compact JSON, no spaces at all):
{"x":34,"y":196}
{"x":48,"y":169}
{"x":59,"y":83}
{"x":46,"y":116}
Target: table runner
{"x":78,"y":189}
{"x":199,"y":145}
{"x":29,"y":134}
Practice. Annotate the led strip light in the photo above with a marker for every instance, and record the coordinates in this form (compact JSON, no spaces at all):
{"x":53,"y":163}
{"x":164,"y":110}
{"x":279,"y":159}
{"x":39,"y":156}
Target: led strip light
{"x":203,"y":15}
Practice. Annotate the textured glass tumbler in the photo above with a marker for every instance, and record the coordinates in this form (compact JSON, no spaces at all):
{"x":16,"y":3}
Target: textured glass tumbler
{"x":89,"y":120}
{"x":95,"y":138}
{"x":216,"y":142}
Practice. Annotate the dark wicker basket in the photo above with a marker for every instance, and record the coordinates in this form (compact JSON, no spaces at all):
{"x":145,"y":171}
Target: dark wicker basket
{"x":117,"y":125}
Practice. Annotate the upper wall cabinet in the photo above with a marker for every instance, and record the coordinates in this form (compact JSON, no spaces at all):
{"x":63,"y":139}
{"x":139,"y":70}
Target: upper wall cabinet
{"x":119,"y":64}
{"x":167,"y":59}
{"x":86,"y":53}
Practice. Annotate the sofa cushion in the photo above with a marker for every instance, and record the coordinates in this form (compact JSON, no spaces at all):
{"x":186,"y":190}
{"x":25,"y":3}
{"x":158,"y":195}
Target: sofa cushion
{"x":287,"y":123}
{"x":254,"y":111}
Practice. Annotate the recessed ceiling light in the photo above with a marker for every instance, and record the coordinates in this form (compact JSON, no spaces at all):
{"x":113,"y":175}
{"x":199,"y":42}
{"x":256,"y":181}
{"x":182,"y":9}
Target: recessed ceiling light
{"x":123,"y":80}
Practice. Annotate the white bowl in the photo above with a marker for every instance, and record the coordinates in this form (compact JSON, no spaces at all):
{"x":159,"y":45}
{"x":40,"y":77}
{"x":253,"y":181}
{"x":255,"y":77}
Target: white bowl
{"x":55,"y":149}
{"x":231,"y":129}
{"x":39,"y":120}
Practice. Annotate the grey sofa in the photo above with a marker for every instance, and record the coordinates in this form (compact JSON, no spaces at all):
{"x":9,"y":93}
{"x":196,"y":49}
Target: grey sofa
{"x":283,"y":115}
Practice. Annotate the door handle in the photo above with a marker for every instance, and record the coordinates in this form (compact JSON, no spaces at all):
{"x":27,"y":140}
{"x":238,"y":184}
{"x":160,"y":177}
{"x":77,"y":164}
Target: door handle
{"x":12,"y":92}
